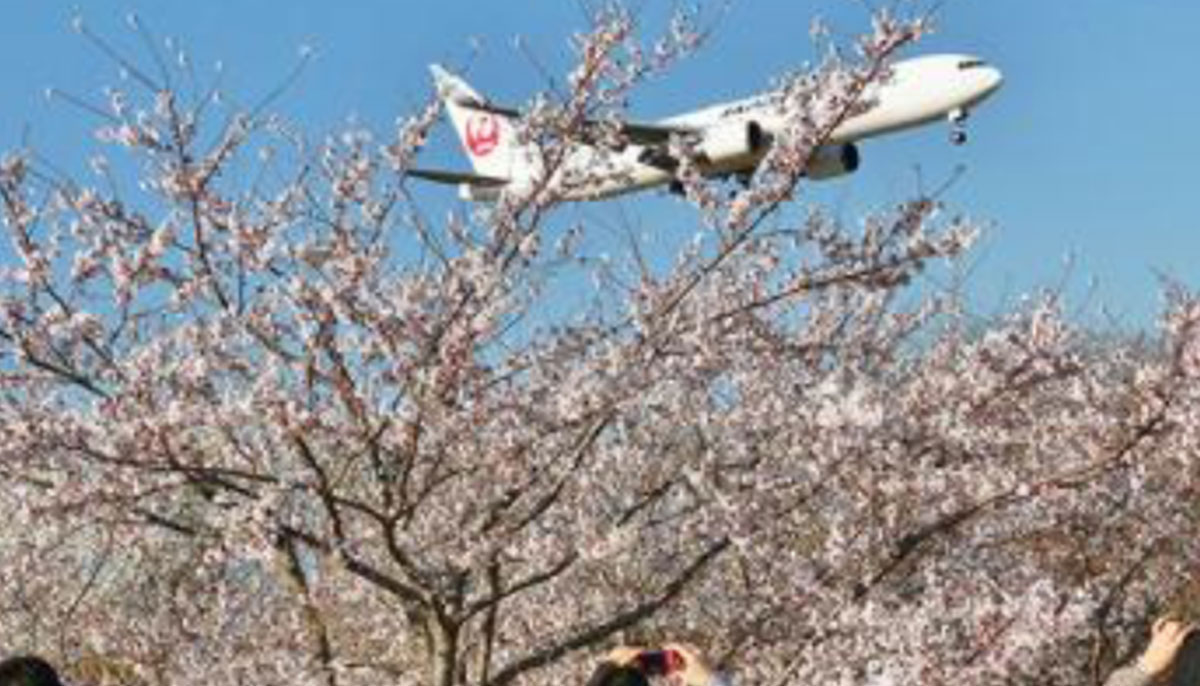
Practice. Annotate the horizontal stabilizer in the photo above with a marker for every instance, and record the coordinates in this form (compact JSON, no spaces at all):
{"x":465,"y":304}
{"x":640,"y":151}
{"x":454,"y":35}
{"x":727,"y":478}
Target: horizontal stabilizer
{"x":480,"y":106}
{"x":455,"y":178}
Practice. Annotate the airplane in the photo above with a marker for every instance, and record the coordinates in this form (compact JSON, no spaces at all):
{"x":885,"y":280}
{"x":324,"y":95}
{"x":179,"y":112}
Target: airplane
{"x":731,"y":138}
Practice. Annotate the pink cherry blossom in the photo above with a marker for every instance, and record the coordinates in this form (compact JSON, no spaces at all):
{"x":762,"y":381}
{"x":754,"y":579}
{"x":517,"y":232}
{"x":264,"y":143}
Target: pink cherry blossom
{"x":302,"y":432}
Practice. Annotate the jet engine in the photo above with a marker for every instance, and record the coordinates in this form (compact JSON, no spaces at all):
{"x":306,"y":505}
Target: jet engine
{"x":730,"y":142}
{"x":829,"y":161}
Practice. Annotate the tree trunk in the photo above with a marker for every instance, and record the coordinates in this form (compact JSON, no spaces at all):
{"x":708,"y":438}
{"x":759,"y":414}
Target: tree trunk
{"x":443,"y":651}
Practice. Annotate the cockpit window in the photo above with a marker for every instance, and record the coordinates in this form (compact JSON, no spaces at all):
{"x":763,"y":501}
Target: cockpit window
{"x":970,"y":64}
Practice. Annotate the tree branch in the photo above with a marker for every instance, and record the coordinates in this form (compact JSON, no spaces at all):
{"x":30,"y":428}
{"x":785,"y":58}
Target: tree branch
{"x":596,"y":633}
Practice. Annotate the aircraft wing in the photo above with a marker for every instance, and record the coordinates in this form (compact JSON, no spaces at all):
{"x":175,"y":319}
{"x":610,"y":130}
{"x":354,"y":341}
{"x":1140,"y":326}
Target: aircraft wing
{"x":455,"y":178}
{"x":638,"y":133}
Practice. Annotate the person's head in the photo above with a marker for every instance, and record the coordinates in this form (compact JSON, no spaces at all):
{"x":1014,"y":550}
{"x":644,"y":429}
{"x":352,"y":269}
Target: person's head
{"x":27,"y":670}
{"x":610,"y":674}
{"x":1186,"y":671}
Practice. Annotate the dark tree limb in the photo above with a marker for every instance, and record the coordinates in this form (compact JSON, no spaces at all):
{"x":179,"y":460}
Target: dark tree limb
{"x":592,"y":635}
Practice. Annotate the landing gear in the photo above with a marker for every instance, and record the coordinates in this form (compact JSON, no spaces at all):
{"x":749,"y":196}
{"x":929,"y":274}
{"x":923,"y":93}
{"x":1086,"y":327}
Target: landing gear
{"x":958,"y":125}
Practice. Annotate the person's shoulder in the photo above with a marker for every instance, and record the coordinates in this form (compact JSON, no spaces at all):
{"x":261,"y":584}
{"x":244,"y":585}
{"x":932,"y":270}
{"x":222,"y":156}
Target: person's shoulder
{"x":1128,"y":676}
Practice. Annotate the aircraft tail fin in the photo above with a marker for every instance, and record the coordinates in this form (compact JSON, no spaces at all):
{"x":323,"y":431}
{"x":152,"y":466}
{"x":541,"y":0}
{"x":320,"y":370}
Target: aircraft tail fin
{"x":472,"y":187}
{"x":488,"y":137}
{"x":451,"y":87}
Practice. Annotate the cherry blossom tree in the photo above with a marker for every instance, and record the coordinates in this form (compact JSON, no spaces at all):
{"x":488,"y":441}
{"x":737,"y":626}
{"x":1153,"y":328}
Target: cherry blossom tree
{"x":263,"y":421}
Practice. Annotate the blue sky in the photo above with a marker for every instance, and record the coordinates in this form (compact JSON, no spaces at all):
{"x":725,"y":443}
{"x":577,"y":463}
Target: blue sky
{"x":1088,"y":157}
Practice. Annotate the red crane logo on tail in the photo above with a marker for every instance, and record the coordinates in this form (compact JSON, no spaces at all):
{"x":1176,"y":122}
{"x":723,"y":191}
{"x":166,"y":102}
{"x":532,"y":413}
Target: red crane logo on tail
{"x":483,"y":134}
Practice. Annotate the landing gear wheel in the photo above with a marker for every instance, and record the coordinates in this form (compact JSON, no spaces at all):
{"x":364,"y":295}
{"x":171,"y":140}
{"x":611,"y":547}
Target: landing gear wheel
{"x":958,"y":119}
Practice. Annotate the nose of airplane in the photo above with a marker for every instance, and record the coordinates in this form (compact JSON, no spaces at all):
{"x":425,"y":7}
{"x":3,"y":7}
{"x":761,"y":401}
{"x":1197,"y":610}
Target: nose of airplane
{"x":979,"y":83}
{"x":991,"y":79}
{"x":987,"y":80}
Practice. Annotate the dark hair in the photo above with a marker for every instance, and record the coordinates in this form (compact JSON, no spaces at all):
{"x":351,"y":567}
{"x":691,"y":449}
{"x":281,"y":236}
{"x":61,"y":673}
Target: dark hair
{"x":27,"y":670}
{"x":608,"y":674}
{"x":1186,"y":671}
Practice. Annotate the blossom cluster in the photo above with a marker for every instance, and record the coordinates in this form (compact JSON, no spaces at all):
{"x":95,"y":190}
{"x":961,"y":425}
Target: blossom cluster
{"x":293,"y":431}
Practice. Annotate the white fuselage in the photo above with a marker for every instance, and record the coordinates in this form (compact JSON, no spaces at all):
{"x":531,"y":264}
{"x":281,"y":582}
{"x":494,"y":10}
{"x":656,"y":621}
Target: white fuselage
{"x":919,"y":91}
